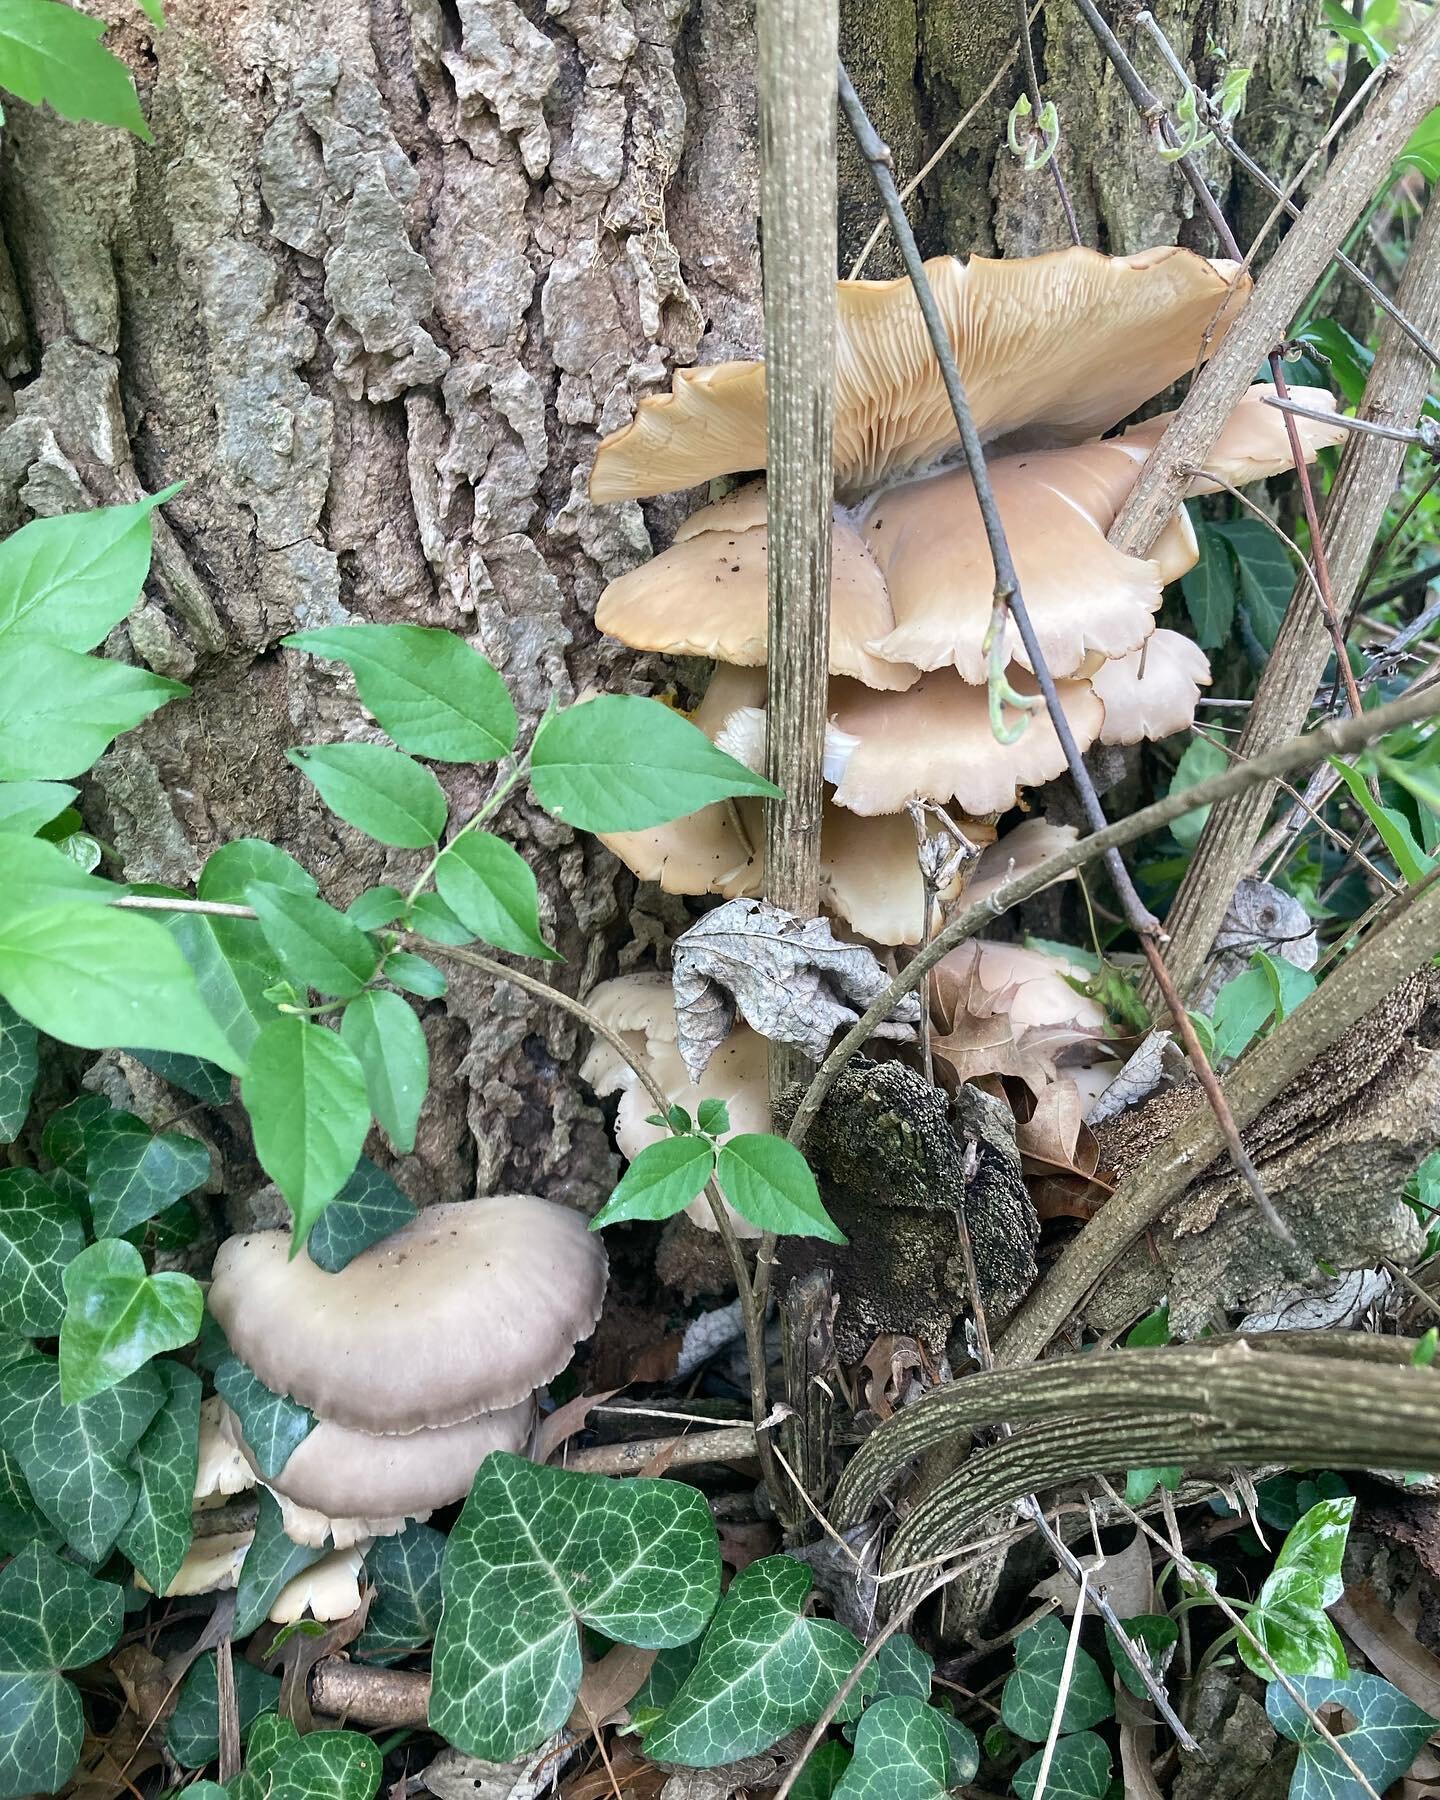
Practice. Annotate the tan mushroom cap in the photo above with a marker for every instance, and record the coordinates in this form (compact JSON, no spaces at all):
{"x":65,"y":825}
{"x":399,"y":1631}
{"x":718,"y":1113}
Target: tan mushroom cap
{"x":303,"y":1525}
{"x":327,"y":1590}
{"x":1152,"y":692}
{"x":1254,"y":443}
{"x":211,"y":1566}
{"x":707,"y":594}
{"x":222,"y":1468}
{"x":1060,"y":347}
{"x":464,"y":1310}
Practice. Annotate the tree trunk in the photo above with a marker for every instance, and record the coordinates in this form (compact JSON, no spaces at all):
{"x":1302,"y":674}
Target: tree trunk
{"x":389,"y":270}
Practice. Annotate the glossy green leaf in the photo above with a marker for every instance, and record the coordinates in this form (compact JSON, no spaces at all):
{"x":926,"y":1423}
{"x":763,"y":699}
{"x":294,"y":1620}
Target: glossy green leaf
{"x":1289,"y":984}
{"x":193,"y":1733}
{"x":305,"y":1093}
{"x":63,"y":1136}
{"x":623,"y":763}
{"x":377,"y":906}
{"x":1079,"y":1770}
{"x":389,"y":1044}
{"x":1201,"y":760}
{"x":823,"y":1771}
{"x":535,"y":1553}
{"x":902,"y":1667}
{"x":95,"y":977}
{"x":317,"y":946}
{"x":157,"y":1534}
{"x":415,"y":974}
{"x":76,"y":1459}
{"x":1289,"y":1615}
{"x":1422,"y":148}
{"x":22,"y":1521}
{"x":1267,"y":575}
{"x":381,"y":792}
{"x":36,"y":875}
{"x":1388,"y":1735}
{"x":70,"y":580}
{"x":432,"y":918}
{"x":1140,"y":1484}
{"x":322,"y":1765}
{"x":233,"y":967}
{"x":1348,"y":358}
{"x":369,"y":1207}
{"x":1209,"y":588}
{"x":274,"y":1425}
{"x":431,"y":692}
{"x":764,"y":1667}
{"x":60,"y":710}
{"x":1032,"y":1692}
{"x":134,"y":1173}
{"x":19,"y":1066}
{"x":768,"y":1181}
{"x":1240,"y":1011}
{"x":662,"y":1180}
{"x":491,"y":889}
{"x":194,"y":1076}
{"x":405,"y":1573}
{"x":27,"y":805}
{"x":40,"y":1233}
{"x":117,"y":1317}
{"x":904,"y":1751}
{"x":1392,"y":826}
{"x":53,"y":1616}
{"x":1353,"y":32}
{"x":713,"y":1116}
{"x":270,"y":1562}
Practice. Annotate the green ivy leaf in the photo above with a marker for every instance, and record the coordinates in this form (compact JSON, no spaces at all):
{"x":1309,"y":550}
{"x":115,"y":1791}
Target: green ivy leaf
{"x":194,"y":1076}
{"x":1209,"y":588}
{"x":1032,"y":1692}
{"x":764,"y":1667}
{"x":1156,"y":1634}
{"x":53,"y":1616}
{"x":1289,"y":1616}
{"x":157,"y":1534}
{"x":60,"y":711}
{"x":662,"y":1180}
{"x":117,"y":1317}
{"x":193,"y":1734}
{"x":369,"y":1207}
{"x":322,"y":1765}
{"x":95,"y":977}
{"x":901,"y":1667}
{"x":415,"y":974}
{"x":1140,"y":1484}
{"x":271,"y":1561}
{"x":1201,"y":760}
{"x":622,"y":763}
{"x":19,"y":1066}
{"x":317,"y":946}
{"x":63,"y":1136}
{"x":902,"y":1752}
{"x":305,"y":1093}
{"x":768,"y":1181}
{"x":405,"y":1573}
{"x":40,"y":1232}
{"x":1079,"y":1770}
{"x":76,"y":1459}
{"x":71,"y":580}
{"x":274,"y":1425}
{"x":381,"y":792}
{"x":823,"y":1771}
{"x":427,"y":688}
{"x":535,"y":1553}
{"x":491,"y":889}
{"x":389,"y":1044}
{"x":21,"y":1520}
{"x":134,"y":1173}
{"x":1388,"y":1735}
{"x":27,"y":805}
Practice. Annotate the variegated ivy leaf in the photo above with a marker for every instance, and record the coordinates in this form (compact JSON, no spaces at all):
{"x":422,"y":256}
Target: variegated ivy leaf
{"x":19,"y":1065}
{"x":903,"y":1751}
{"x":322,"y":1765}
{"x":1033,"y":1691}
{"x":118,"y":1317}
{"x":193,"y":1734}
{"x":764,"y":1667}
{"x":369,"y":1207}
{"x":536,"y":1553}
{"x":76,"y":1459}
{"x":1388,"y":1734}
{"x":21,"y":1520}
{"x":273,"y":1424}
{"x":134,"y":1173}
{"x":1079,"y":1770}
{"x":40,"y":1233}
{"x":157,"y":1534}
{"x":271,"y":1561}
{"x":405,"y":1573}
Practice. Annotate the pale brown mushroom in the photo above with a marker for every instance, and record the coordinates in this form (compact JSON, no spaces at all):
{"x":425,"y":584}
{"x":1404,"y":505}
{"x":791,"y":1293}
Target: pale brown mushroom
{"x":1254,"y":443}
{"x":1057,"y":347}
{"x":1152,"y":692}
{"x":222,"y":1469}
{"x":211,"y":1566}
{"x":328,"y":1590}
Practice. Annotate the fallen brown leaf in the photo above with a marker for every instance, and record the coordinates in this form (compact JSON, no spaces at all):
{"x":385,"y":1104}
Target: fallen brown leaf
{"x":1393,"y":1651}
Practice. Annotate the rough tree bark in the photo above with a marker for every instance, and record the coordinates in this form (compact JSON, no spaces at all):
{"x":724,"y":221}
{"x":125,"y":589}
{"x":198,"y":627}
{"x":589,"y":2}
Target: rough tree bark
{"x":389,"y":270}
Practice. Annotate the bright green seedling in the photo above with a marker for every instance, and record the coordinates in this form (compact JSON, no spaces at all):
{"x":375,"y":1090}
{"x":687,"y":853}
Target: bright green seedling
{"x":1388,"y":1735}
{"x":1033,"y":1690}
{"x":763,"y":1177}
{"x":193,"y":1734}
{"x":322,"y":1765}
{"x":118,"y":1317}
{"x":388,"y":1042}
{"x":1079,"y":1770}
{"x":405,"y":1573}
{"x":379,"y":791}
{"x":536,"y":1553}
{"x":157,"y":1534}
{"x":53,"y":1616}
{"x":763,"y":1668}
{"x":271,"y":1561}
{"x":274,"y":1425}
{"x":19,"y":1068}
{"x":1289,"y":1616}
{"x":369,"y":1207}
{"x":40,"y":1233}
{"x":907,"y":1750}
{"x":52,"y":53}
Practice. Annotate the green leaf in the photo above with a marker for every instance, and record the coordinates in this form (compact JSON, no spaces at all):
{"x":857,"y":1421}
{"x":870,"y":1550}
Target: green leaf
{"x":1209,"y":588}
{"x":134,"y":1173}
{"x":53,"y":1616}
{"x":432,"y":918}
{"x":1201,"y":760}
{"x":1289,"y":1616}
{"x":1289,"y":984}
{"x":1151,"y":1331}
{"x":764,"y":1667}
{"x":1349,"y":359}
{"x":157,"y":1534}
{"x":274,"y":1425}
{"x":70,"y":581}
{"x":117,"y":1317}
{"x":663,"y":1179}
{"x":428,"y":689}
{"x":902,"y":1667}
{"x":1353,"y":32}
{"x":38,"y":875}
{"x":63,"y":1138}
{"x":60,"y":711}
{"x":1079,"y":1770}
{"x":194,"y":1076}
{"x":491,"y":889}
{"x":1267,"y":576}
{"x":21,"y":1520}
{"x":40,"y":1233}
{"x":902,"y":1752}
{"x":822,"y":1773}
{"x":317,"y":946}
{"x":622,"y":763}
{"x":1388,"y":1735}
{"x":369,"y":1207}
{"x":270,"y":1562}
{"x":415,"y":974}
{"x":1241,"y":1010}
{"x":76,"y":1459}
{"x":27,"y":805}
{"x":193,"y":1734}
{"x":377,"y":906}
{"x":322,"y":1765}
{"x":1393,"y":827}
{"x":51,"y":53}
{"x":535,"y":1553}
{"x":389,"y":1044}
{"x":768,"y":1181}
{"x":1156,"y":1634}
{"x":378,"y":791}
{"x":233,"y":966}
{"x":405,"y":1573}
{"x":714,"y":1117}
{"x":19,"y":1066}
{"x":230,"y":871}
{"x":95,"y":977}
{"x":1422,"y":150}
{"x":1140,"y":1484}
{"x":305,"y":1093}
{"x":1032,"y":1692}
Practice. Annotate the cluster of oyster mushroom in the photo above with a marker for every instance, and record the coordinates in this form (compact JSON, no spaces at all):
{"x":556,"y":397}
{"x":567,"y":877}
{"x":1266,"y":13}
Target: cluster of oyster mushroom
{"x":418,"y":1358}
{"x":1054,"y":351}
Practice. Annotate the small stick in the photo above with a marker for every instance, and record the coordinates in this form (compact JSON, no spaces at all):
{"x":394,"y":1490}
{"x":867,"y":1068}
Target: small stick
{"x":1427,"y":435}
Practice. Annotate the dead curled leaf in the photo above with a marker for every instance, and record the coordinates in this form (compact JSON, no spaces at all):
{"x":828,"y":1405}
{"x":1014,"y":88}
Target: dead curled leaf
{"x":790,"y":979}
{"x":1388,"y":1647}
